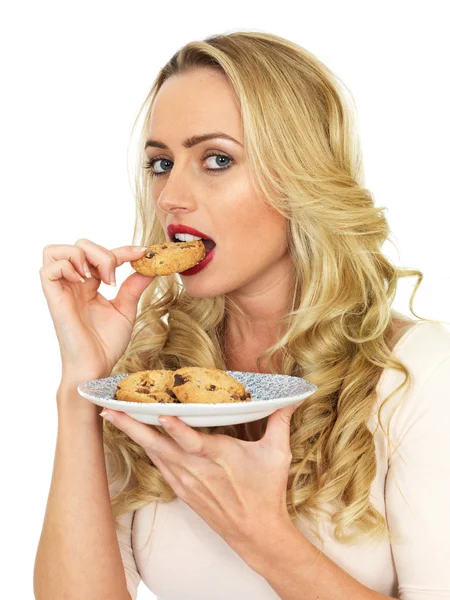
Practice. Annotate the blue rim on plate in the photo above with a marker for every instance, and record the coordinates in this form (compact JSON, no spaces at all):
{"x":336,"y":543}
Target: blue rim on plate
{"x":269,"y":393}
{"x":265,"y":388}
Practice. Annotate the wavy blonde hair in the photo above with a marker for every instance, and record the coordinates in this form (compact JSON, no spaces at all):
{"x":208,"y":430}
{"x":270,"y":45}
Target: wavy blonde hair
{"x":302,"y":147}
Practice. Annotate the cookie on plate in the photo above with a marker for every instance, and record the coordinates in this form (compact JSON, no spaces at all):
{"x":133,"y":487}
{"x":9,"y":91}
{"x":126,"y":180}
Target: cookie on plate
{"x":204,"y":385}
{"x":170,"y":257}
{"x":147,"y":386}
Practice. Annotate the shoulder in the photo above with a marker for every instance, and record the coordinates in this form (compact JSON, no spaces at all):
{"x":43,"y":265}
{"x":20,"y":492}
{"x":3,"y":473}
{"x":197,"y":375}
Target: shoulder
{"x":424,"y":349}
{"x":416,"y":486}
{"x":421,"y":348}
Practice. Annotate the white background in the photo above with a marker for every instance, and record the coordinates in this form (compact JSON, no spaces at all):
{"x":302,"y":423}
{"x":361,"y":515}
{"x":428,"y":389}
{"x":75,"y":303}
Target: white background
{"x":74,"y":76}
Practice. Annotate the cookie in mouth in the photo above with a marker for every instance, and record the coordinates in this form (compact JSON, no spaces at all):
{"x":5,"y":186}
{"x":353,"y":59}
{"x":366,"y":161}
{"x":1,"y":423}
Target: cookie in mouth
{"x":169,"y":258}
{"x":179,"y":238}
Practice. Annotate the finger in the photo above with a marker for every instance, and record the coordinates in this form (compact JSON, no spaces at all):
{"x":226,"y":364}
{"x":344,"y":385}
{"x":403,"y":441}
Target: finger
{"x":129,"y":293}
{"x":58,"y":252}
{"x":58,"y":270}
{"x":278,"y":430}
{"x":192,"y":441}
{"x":168,"y":475}
{"x":90,"y":259}
{"x":152,"y":441}
{"x":106,"y":261}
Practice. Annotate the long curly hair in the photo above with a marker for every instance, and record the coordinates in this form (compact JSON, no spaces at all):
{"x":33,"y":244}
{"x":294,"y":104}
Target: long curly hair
{"x":303,"y":151}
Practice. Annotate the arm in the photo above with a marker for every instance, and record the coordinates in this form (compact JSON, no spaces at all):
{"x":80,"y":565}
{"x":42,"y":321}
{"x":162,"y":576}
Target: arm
{"x":297,"y":570}
{"x":78,"y":554}
{"x":418,"y":490}
{"x":416,"y":493}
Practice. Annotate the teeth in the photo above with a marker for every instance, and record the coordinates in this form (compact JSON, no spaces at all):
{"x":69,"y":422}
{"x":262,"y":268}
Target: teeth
{"x":186,"y":237}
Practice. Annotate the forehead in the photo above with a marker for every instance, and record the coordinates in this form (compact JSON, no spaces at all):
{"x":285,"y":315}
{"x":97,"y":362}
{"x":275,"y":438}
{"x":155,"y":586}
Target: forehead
{"x":193,"y":104}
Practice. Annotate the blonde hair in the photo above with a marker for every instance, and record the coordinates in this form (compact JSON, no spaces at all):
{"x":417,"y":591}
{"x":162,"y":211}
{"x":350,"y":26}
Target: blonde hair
{"x":302,"y":147}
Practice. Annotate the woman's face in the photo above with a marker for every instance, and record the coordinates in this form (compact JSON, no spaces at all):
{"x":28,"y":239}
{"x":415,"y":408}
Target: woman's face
{"x":250,"y":236}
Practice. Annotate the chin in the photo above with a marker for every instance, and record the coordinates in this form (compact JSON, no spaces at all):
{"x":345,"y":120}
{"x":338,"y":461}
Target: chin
{"x":205,"y":288}
{"x":201,"y":291}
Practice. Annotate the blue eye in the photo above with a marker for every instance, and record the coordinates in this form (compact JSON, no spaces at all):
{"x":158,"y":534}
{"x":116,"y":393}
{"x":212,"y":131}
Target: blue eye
{"x":150,"y":164}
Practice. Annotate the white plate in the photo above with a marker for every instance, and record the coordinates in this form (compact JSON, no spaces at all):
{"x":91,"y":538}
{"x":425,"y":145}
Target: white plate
{"x":269,"y":392}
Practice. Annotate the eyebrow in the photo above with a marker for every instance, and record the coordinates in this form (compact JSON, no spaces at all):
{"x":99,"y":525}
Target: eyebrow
{"x":192,"y":141}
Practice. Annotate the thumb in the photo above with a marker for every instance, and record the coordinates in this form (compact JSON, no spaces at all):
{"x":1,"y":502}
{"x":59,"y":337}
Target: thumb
{"x":129,"y":294}
{"x":279,"y":424}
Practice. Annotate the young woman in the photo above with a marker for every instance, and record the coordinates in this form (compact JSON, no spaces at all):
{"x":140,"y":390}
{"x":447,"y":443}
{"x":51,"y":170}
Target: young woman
{"x":250,"y":140}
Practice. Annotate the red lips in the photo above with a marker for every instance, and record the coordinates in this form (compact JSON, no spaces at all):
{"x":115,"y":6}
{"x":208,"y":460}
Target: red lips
{"x":173,"y":229}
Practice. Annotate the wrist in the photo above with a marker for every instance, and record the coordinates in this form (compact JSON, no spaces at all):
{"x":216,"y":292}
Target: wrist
{"x":261,"y":550}
{"x":72,"y":405}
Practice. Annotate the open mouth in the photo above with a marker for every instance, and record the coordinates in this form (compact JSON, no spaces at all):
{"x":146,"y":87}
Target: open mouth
{"x":209,"y":244}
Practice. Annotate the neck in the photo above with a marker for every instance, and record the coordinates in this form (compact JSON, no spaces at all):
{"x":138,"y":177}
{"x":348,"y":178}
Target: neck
{"x":260,"y":307}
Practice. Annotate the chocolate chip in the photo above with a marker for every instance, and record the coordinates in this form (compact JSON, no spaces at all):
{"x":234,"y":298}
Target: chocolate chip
{"x":170,"y":393}
{"x":163,"y":247}
{"x":235,"y":396}
{"x":150,"y":255}
{"x":211,"y":388}
{"x":176,"y":401}
{"x":143,"y":390}
{"x":179,"y":380}
{"x":246,"y":395}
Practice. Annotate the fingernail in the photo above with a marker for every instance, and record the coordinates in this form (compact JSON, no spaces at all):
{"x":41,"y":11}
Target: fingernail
{"x":139,"y":249}
{"x":112,"y":281}
{"x":86,"y":270}
{"x":164,"y":422}
{"x":107,"y":415}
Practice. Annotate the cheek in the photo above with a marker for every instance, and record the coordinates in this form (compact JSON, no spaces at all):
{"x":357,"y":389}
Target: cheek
{"x":252,"y":252}
{"x":257,"y":231}
{"x":161,"y":216}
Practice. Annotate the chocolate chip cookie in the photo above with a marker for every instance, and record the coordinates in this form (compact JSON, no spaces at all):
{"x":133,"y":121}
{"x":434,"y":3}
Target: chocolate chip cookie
{"x":147,"y":386}
{"x":186,"y":385}
{"x":170,"y":257}
{"x":203,"y":385}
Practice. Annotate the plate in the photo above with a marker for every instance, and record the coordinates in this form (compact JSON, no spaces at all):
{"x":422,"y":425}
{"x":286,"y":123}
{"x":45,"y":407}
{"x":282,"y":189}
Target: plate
{"x":269,"y":393}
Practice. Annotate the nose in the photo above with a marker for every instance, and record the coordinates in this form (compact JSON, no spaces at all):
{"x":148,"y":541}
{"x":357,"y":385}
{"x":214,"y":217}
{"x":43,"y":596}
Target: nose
{"x":176,"y":196}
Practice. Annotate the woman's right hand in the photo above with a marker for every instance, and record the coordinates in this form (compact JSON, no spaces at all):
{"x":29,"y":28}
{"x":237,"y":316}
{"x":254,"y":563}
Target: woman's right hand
{"x":93,"y":332}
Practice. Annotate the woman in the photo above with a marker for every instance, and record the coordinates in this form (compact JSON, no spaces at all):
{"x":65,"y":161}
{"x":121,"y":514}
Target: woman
{"x":340,"y":497}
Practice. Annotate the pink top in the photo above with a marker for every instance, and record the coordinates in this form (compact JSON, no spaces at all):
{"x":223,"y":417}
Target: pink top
{"x":186,"y":560}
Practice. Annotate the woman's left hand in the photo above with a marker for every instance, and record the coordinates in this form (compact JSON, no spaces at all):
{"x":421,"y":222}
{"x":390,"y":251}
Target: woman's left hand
{"x":238,"y":487}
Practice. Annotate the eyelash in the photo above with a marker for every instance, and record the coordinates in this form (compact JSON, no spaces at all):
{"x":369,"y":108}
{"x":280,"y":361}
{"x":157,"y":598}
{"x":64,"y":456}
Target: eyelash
{"x":149,"y":164}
